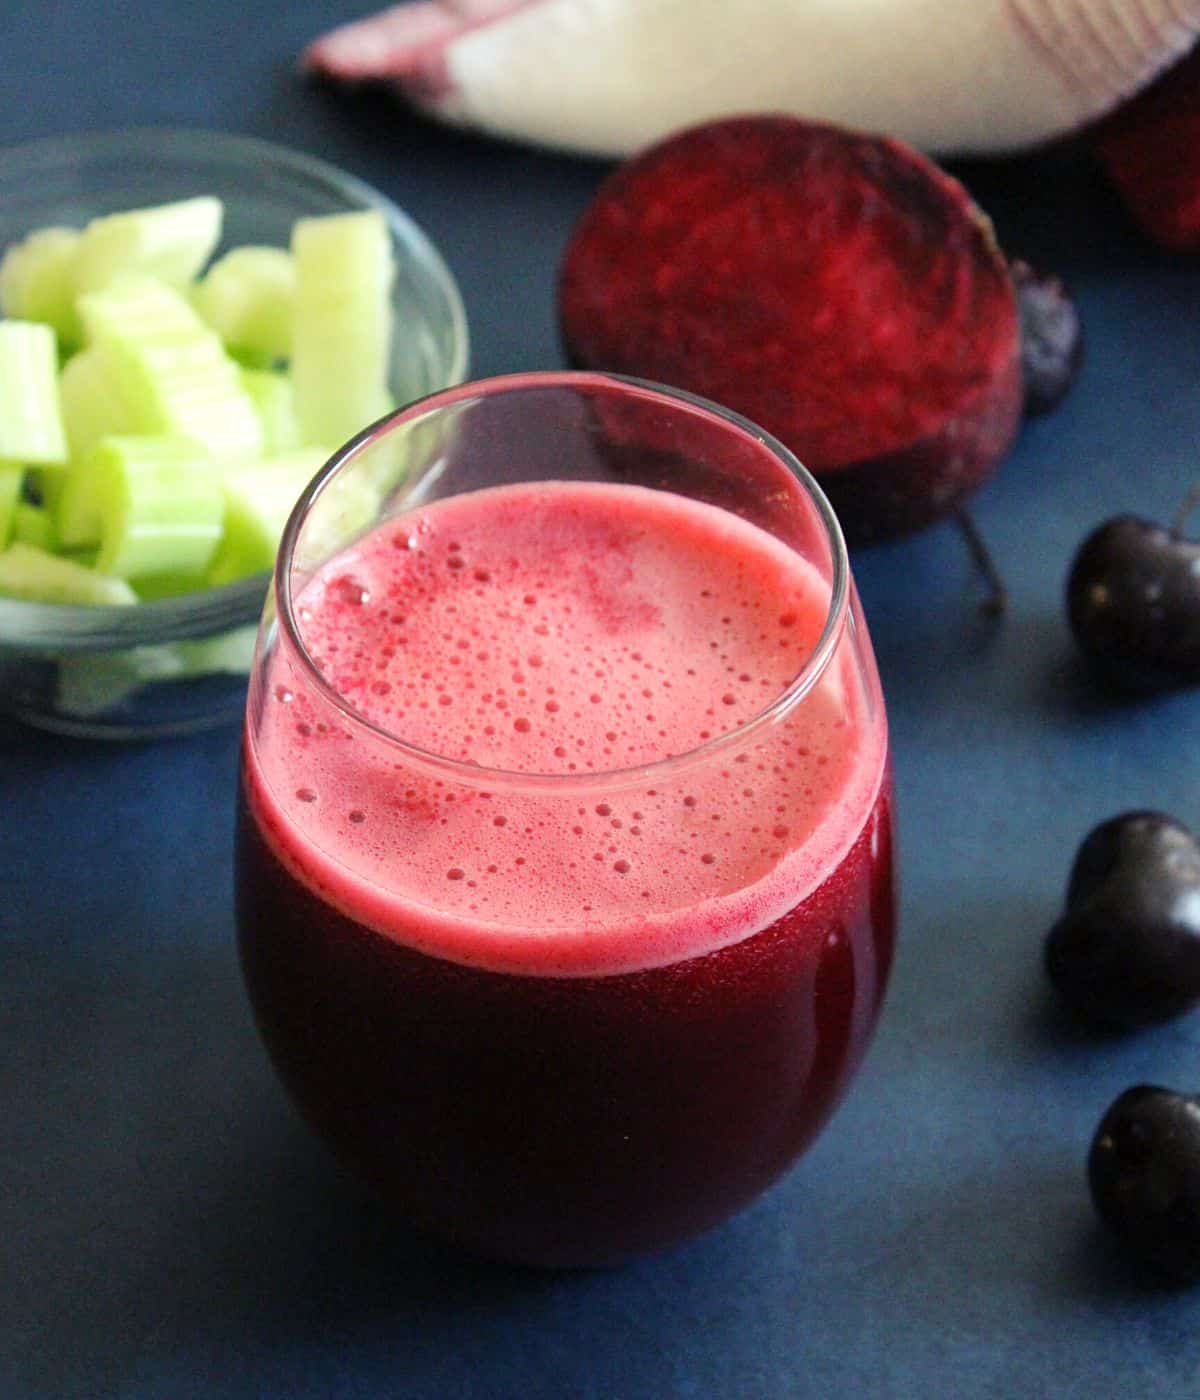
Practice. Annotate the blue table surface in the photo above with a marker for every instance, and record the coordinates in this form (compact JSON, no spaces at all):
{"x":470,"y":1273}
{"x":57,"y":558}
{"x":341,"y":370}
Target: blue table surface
{"x":170,"y":1229}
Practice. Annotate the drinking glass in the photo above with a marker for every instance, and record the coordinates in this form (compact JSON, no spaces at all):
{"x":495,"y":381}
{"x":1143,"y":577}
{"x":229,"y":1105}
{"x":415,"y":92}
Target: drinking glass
{"x":564,"y":854}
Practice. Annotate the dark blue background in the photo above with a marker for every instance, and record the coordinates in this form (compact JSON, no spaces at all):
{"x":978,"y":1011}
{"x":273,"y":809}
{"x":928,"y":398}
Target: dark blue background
{"x":166,"y":1226}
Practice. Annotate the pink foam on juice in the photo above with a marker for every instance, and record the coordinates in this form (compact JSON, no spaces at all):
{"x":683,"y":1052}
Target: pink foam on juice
{"x":570,"y":629}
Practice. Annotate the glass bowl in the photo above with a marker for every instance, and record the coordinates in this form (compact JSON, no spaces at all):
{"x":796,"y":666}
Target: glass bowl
{"x":180,"y":664}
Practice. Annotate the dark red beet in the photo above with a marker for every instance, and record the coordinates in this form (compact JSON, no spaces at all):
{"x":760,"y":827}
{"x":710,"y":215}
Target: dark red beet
{"x":1051,"y":338}
{"x":1151,"y":151}
{"x":838,"y":289}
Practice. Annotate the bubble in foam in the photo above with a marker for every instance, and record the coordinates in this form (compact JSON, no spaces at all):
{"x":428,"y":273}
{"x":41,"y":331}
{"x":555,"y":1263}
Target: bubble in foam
{"x":351,"y":591}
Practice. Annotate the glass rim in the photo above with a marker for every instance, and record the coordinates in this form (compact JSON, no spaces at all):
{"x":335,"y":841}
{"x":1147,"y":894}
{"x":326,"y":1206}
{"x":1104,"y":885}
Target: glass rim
{"x":481,"y":775}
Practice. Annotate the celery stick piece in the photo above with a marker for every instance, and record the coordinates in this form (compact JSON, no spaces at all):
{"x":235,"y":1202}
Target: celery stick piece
{"x":170,"y":369}
{"x":44,"y":485}
{"x":79,"y":508}
{"x":33,"y":525}
{"x":158,"y":502}
{"x":229,"y":653}
{"x":11,"y":480}
{"x":246,"y":297}
{"x":342,"y":325}
{"x":36,"y":576}
{"x":31,"y":428}
{"x":351,"y":503}
{"x":171,"y":242}
{"x":91,"y":684}
{"x":252,"y":359}
{"x":37,"y":281}
{"x":168,"y":585}
{"x":271,"y":394}
{"x":258,"y":500}
{"x":138,"y":309}
{"x":92,"y":405}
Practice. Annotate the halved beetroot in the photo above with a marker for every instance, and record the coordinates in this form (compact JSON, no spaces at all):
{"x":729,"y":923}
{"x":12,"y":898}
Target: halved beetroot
{"x":838,"y":289}
{"x":1151,"y":150}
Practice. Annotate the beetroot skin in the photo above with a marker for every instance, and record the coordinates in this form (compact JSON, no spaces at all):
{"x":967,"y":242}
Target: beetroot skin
{"x":838,"y":289}
{"x":1151,"y":151}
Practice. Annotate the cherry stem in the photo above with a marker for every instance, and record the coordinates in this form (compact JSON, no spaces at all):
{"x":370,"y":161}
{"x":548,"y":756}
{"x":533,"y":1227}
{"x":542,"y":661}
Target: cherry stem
{"x":1189,"y":504}
{"x":996,"y":603}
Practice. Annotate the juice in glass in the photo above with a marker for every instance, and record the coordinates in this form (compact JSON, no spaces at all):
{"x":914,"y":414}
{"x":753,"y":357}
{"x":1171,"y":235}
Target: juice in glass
{"x":565,"y":885}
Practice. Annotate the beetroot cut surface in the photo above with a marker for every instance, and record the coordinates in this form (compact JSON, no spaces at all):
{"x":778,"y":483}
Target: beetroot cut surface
{"x":838,"y":289}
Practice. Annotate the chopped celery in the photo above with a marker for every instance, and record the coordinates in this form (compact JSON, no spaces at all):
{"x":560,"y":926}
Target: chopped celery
{"x":92,"y":406}
{"x":271,"y":393}
{"x":37,"y":281}
{"x":34,"y":575}
{"x":11,"y":480}
{"x":342,"y":324}
{"x":229,"y":653}
{"x":78,"y":508}
{"x":153,"y":503}
{"x":169,"y":450}
{"x":92,"y":683}
{"x":33,"y":525}
{"x":252,"y":359}
{"x":246,"y":297}
{"x":167,"y":585}
{"x":89,"y":685}
{"x":171,"y":242}
{"x":44,"y":485}
{"x":258,"y":500}
{"x":170,"y":369}
{"x":349,"y":504}
{"x":31,"y":428}
{"x":140,"y":308}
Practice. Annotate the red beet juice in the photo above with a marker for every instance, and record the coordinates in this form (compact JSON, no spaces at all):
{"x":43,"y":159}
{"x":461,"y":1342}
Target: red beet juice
{"x":561,"y":944}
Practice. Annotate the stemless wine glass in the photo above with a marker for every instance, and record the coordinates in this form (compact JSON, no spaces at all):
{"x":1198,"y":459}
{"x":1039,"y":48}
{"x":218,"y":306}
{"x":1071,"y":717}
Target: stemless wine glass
{"x":564,"y":871}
